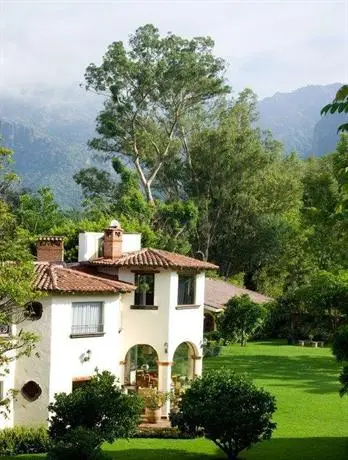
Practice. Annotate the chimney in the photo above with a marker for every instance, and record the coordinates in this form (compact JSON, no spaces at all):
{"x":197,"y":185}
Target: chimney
{"x":113,"y":240}
{"x":50,"y":249}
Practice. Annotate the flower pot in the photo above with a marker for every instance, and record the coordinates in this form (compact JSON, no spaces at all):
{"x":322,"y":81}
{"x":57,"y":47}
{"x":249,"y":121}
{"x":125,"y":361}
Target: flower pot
{"x":153,"y":415}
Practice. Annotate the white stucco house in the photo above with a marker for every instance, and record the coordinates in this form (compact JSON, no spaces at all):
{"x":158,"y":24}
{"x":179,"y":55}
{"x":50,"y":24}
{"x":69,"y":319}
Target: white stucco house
{"x":121,"y":308}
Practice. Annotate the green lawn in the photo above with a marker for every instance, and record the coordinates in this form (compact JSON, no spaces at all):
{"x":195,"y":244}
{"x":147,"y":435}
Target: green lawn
{"x":312,"y":419}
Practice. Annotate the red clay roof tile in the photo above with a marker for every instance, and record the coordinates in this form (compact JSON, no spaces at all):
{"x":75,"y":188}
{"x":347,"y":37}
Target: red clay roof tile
{"x":59,"y":278}
{"x":156,"y":258}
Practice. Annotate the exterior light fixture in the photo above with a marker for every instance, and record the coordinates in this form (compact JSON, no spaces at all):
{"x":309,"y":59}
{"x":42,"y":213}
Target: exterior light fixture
{"x":165,"y":347}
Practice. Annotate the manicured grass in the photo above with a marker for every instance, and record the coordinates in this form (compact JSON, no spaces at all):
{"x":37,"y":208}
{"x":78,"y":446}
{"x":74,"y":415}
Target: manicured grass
{"x":312,"y":419}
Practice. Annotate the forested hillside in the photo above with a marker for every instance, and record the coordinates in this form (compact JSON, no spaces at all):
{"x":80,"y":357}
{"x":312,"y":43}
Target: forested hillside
{"x":48,"y":131}
{"x":187,"y":166}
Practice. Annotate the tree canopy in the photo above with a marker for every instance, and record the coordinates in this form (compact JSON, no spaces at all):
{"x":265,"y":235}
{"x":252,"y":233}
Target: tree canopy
{"x":149,"y":89}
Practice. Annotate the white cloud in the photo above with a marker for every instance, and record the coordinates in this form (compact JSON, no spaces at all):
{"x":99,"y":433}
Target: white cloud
{"x":269,"y":46}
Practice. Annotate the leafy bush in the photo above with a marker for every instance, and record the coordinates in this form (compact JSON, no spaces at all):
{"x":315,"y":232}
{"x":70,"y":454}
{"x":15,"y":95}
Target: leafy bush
{"x":228,"y":409}
{"x":164,"y":433}
{"x":154,"y":399}
{"x":241,"y":319}
{"x":211,"y":348}
{"x":92,"y":414}
{"x":212,"y":335}
{"x":81,"y":443}
{"x":24,"y":440}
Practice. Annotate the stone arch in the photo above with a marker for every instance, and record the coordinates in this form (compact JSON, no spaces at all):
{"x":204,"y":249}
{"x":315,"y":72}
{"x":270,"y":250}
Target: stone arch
{"x":141,"y":367}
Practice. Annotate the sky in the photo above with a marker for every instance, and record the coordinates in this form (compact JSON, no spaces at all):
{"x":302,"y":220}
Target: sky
{"x":269,"y":46}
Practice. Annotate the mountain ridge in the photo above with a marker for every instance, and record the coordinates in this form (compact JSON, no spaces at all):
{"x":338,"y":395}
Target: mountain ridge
{"x":48,"y":130}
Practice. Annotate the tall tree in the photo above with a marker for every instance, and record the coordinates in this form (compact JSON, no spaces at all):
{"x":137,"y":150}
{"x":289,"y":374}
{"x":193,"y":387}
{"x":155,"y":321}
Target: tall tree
{"x":149,"y":89}
{"x":16,"y":276}
{"x":168,"y":225}
{"x":242,"y":184}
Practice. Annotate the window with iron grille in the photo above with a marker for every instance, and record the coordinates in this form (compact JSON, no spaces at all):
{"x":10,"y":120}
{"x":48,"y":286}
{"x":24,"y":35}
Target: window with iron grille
{"x":186,"y":290}
{"x":87,"y":318}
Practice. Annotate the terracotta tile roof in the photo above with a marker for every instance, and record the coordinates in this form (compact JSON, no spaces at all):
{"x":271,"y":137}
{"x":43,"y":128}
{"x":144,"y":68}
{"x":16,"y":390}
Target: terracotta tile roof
{"x":218,"y":292}
{"x":59,"y":278}
{"x":155,"y":258}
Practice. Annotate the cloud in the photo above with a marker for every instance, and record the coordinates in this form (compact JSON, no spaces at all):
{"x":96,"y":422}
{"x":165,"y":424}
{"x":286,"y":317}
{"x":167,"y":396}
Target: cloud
{"x":269,"y":46}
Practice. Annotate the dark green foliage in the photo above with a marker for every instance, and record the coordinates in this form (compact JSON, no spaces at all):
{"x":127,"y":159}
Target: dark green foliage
{"x":168,"y":225}
{"x":321,"y":304}
{"x":228,"y":409}
{"x":241,"y":318}
{"x":340,"y":350}
{"x":82,"y":443}
{"x":150,"y":86}
{"x":23,"y":440}
{"x":161,"y":433}
{"x":212,"y":335}
{"x":92,"y":414}
{"x":338,"y":105}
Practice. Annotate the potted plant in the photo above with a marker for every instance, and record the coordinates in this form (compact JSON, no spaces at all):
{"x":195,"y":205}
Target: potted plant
{"x":153,"y":401}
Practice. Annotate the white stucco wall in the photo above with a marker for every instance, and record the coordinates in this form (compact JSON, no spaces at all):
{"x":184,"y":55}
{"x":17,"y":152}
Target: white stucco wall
{"x":36,"y":368}
{"x":61,"y":357}
{"x":186,"y":325}
{"x":8,"y":384}
{"x":67,"y":353}
{"x":167,"y":324}
{"x":89,"y":244}
{"x":148,"y":326}
{"x":131,"y":242}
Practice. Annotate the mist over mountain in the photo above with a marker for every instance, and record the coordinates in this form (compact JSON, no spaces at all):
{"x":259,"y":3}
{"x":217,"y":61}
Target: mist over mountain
{"x":48,"y":130}
{"x":294,"y":119}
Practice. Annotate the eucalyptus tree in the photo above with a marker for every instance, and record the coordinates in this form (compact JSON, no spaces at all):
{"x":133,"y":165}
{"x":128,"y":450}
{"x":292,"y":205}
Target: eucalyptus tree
{"x":149,"y":89}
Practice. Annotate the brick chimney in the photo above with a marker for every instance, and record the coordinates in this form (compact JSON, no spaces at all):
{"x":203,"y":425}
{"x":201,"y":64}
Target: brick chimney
{"x":50,"y":249}
{"x":113,"y":240}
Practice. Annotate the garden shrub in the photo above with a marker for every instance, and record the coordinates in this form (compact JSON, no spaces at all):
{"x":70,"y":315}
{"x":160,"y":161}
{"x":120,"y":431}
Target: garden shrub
{"x":94,"y":413}
{"x":161,"y":433}
{"x":24,"y":440}
{"x":211,"y":348}
{"x":78,"y":443}
{"x":241,"y":319}
{"x":228,"y":409}
{"x":212,"y":335}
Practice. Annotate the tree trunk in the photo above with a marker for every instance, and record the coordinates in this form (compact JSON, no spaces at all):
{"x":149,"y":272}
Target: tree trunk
{"x":148,"y":192}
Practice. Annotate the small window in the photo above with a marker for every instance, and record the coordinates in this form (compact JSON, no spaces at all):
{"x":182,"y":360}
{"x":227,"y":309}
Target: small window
{"x":31,"y":391}
{"x":186,"y":290}
{"x":33,"y":311}
{"x":144,"y":294}
{"x":87,"y":318}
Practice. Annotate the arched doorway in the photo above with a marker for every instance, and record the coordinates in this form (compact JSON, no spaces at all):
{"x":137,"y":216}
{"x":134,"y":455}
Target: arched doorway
{"x":141,"y":369}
